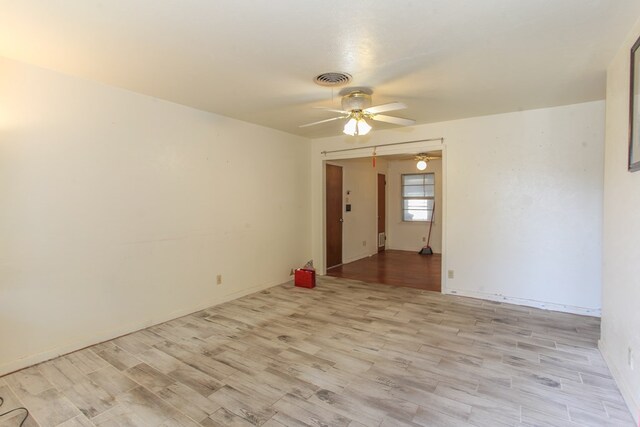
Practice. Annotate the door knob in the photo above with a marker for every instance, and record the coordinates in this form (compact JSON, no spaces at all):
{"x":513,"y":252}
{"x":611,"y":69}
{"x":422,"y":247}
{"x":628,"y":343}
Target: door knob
{"x":341,"y":220}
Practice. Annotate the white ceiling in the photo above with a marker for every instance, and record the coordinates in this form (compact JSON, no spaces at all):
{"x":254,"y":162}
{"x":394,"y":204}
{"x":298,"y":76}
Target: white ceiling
{"x":255,"y":60}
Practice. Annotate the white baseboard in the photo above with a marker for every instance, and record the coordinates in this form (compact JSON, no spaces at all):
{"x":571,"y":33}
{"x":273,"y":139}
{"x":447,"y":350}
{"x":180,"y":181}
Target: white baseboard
{"x":118,"y":332}
{"x":623,"y":385}
{"x":526,"y":302}
{"x":358,"y":257}
{"x":412,"y":248}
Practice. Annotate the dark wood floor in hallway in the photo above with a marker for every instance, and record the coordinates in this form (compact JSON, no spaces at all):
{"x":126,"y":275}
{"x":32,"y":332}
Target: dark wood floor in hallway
{"x":397,"y":268}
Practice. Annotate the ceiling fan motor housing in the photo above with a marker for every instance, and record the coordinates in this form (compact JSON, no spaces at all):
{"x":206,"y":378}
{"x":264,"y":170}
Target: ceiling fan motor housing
{"x":356,"y":101}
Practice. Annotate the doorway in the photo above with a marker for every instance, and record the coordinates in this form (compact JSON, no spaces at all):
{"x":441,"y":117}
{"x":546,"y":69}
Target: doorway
{"x":333,"y":215}
{"x":381,"y":205}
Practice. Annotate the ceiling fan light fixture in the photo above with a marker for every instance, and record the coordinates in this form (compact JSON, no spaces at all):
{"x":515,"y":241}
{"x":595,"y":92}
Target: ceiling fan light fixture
{"x":351,"y":128}
{"x":422,"y":159}
{"x":363,"y":127}
{"x":356,"y":107}
{"x":356,"y":126}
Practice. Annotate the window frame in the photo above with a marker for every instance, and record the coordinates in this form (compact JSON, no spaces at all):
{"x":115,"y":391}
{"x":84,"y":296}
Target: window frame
{"x":403,"y":198}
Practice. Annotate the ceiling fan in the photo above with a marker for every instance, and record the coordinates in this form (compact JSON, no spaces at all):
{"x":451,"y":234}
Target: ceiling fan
{"x":356,"y":107}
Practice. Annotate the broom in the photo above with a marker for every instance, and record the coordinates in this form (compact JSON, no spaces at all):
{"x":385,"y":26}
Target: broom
{"x":426,"y":250}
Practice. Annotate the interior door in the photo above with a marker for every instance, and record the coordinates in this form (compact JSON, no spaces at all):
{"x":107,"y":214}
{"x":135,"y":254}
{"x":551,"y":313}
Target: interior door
{"x":382,"y":209}
{"x":334,"y":215}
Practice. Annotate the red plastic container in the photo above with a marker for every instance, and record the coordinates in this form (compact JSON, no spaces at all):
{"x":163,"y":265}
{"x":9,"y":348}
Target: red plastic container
{"x":304,"y":278}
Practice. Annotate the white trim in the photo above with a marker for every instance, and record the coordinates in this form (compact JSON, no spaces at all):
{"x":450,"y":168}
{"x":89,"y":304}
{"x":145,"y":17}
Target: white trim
{"x":34,"y":359}
{"x":382,"y":150}
{"x":526,"y":302}
{"x":443,"y":242}
{"x":625,"y":388}
{"x":358,"y":257}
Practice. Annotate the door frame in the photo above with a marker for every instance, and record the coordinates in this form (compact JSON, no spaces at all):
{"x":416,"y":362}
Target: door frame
{"x":319,"y":194}
{"x":384,"y":210}
{"x":341,"y":213}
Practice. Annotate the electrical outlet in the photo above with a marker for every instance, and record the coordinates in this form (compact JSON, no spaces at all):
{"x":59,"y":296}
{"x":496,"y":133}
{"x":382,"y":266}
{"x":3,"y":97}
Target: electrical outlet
{"x":450,"y":274}
{"x":364,"y":243}
{"x":630,"y":358}
{"x":219,"y":279}
{"x":424,"y":239}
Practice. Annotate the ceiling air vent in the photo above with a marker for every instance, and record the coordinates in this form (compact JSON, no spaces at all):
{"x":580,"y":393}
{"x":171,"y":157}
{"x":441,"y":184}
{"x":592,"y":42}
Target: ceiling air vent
{"x":332,"y":79}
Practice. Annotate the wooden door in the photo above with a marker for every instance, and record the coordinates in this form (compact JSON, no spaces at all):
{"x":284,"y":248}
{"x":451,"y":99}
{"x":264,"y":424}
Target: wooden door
{"x":382,"y":209}
{"x":334,"y":215}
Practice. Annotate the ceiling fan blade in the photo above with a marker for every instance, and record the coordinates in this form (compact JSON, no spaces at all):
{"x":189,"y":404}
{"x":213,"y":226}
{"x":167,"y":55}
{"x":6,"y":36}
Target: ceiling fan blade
{"x":322,"y":121}
{"x":394,"y":120}
{"x":385,"y":107}
{"x":332,"y":110}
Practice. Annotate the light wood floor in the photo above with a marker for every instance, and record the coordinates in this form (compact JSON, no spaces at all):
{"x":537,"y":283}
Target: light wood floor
{"x":343,"y":354}
{"x":392,"y":267}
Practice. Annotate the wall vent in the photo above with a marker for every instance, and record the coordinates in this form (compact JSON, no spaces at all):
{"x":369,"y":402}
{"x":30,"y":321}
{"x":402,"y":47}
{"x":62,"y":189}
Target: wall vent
{"x":332,"y":79}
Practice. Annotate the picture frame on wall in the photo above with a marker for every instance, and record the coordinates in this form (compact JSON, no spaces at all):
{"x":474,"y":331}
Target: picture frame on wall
{"x":634,"y":110}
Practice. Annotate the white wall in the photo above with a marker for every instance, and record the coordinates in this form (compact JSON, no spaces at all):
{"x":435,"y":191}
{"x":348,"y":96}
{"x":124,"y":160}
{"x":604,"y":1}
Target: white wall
{"x":621,"y":237}
{"x":408,"y":236}
{"x":119,"y":210}
{"x":360,"y":226}
{"x":523,"y":202}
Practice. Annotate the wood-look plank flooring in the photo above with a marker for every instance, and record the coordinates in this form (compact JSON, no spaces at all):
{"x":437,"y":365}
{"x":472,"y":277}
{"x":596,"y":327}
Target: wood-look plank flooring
{"x":343,"y":354}
{"x":397,"y":268}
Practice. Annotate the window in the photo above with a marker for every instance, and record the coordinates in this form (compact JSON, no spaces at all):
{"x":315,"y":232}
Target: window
{"x":418,"y":196}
